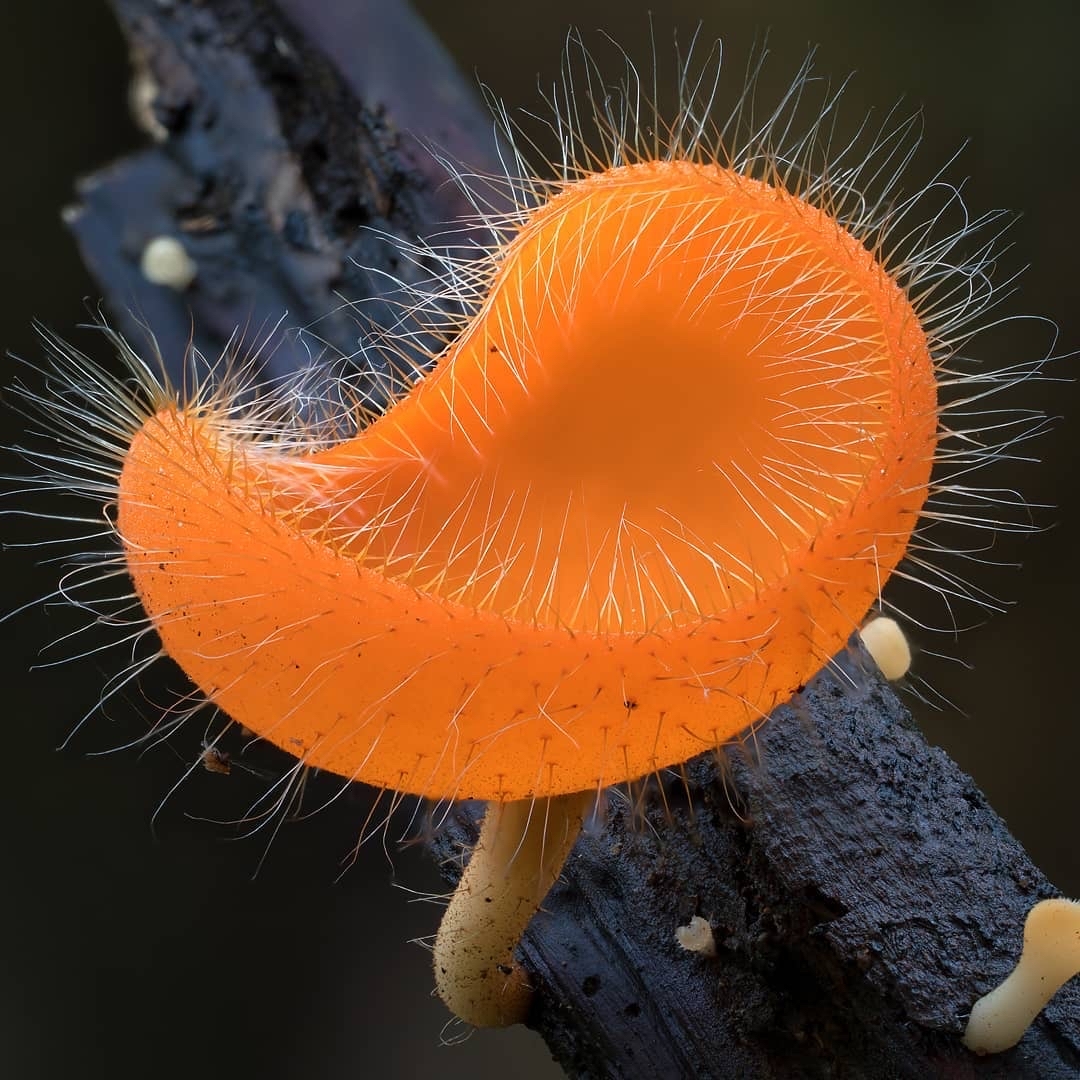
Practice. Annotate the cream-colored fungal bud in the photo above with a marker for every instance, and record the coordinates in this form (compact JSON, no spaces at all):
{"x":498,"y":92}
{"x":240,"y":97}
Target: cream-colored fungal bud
{"x":1049,"y":958}
{"x":142,"y":93}
{"x":888,"y":647}
{"x":697,"y":936}
{"x":165,"y":262}
{"x":519,"y":856}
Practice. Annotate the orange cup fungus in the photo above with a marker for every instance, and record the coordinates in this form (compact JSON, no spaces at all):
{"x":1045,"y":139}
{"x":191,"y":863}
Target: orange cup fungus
{"x":710,"y":379}
{"x":545,"y":569}
{"x":655,"y":482}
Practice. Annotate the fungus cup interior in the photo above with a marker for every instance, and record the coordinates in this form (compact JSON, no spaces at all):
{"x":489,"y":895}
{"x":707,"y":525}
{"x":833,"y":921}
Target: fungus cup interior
{"x":655,"y":484}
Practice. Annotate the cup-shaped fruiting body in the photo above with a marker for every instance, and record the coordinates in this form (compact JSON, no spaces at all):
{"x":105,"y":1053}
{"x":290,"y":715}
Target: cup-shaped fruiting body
{"x":652,"y":487}
{"x":521,"y":851}
{"x":1049,"y":958}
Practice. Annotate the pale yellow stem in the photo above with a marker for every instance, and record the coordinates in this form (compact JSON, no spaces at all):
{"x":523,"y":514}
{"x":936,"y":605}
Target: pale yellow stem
{"x":522,"y":848}
{"x":1049,"y":958}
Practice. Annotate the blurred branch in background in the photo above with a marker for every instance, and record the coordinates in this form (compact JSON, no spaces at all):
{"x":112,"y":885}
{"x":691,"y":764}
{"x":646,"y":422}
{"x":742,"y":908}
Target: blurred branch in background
{"x":861,"y":891}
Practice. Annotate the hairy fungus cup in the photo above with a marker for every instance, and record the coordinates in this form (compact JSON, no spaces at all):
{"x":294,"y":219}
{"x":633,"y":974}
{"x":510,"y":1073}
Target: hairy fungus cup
{"x":534,"y":575}
{"x":654,"y":483}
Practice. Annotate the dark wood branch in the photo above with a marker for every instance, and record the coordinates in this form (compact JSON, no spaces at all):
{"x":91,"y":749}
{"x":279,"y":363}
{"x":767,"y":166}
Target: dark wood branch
{"x":283,"y":175}
{"x":861,"y":891}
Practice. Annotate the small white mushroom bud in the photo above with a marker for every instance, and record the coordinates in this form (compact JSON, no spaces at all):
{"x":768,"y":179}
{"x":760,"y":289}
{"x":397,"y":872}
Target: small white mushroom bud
{"x":888,"y":647}
{"x":697,"y":936}
{"x":166,"y":262}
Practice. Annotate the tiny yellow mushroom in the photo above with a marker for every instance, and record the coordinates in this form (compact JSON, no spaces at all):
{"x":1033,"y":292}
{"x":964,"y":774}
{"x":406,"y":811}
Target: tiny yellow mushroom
{"x":888,"y":647}
{"x":1049,"y":958}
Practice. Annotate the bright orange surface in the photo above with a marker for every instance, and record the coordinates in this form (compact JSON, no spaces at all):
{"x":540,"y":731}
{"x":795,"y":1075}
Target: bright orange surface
{"x":652,"y":488}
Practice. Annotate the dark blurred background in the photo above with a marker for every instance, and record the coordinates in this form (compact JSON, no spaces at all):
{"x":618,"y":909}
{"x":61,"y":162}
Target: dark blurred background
{"x":134,"y":953}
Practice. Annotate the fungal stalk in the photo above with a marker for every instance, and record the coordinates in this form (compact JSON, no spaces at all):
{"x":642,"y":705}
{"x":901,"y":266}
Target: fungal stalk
{"x":1049,"y":958}
{"x":522,"y":848}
